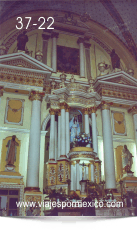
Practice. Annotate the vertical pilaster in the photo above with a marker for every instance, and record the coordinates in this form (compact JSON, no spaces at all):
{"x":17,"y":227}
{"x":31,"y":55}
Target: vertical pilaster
{"x":92,"y":171}
{"x":94,"y":129}
{"x":52,"y":135}
{"x":1,"y":93}
{"x":88,"y":59}
{"x":59,"y":133}
{"x":133,"y":110}
{"x":73,"y":177}
{"x":63,"y":129}
{"x":56,"y":139}
{"x":82,"y":59}
{"x":45,"y":37}
{"x":77,"y":175}
{"x":34,"y":143}
{"x":108,"y":147}
{"x":54,"y":37}
{"x":67,"y":130}
{"x":86,"y":118}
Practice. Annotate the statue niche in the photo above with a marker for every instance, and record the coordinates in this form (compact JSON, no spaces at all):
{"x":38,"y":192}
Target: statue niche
{"x":127,"y":160}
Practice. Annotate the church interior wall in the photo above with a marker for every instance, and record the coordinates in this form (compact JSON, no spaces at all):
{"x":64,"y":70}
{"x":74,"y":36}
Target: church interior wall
{"x":22,"y":132}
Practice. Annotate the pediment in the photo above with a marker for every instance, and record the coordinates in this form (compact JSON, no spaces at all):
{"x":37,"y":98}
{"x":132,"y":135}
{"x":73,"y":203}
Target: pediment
{"x":120,"y":78}
{"x":23,"y":60}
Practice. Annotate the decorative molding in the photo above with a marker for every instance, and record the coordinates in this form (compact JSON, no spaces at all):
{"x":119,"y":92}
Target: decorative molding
{"x":16,"y":130}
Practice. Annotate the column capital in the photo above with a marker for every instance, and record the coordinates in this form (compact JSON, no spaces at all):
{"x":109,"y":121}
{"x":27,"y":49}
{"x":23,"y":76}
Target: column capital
{"x":59,"y":112}
{"x":63,"y":105}
{"x":68,"y":108}
{"x":1,"y":91}
{"x":54,"y":35}
{"x":87,"y":45}
{"x":133,"y":110}
{"x":105,"y":105}
{"x":46,"y":36}
{"x":80,"y":40}
{"x":53,"y":111}
{"x":85,"y":111}
{"x":77,"y":161}
{"x":36,"y":95}
{"x":93,"y":109}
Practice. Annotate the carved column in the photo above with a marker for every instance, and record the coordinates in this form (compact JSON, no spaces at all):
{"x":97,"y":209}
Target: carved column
{"x":82,"y":60}
{"x":45,"y":37}
{"x":52,"y":135}
{"x":108,"y":147}
{"x":133,"y":110}
{"x":88,"y":61}
{"x":54,"y":37}
{"x":67,"y":130}
{"x":34,"y":142}
{"x":94,"y":129}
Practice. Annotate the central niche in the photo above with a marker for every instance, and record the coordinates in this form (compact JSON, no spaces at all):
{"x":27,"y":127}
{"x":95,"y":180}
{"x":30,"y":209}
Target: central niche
{"x":76,"y":123}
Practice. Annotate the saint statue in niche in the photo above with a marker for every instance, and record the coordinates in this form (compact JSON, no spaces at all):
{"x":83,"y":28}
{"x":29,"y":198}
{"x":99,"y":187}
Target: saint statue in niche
{"x":74,"y":127}
{"x":22,"y":39}
{"x":126,"y":159}
{"x":11,"y":151}
{"x":115,"y":60}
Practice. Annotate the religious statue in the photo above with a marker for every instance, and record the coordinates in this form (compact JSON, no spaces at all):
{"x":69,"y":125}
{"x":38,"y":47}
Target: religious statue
{"x":11,"y":151}
{"x":115,"y":60}
{"x":126,"y":159}
{"x":74,"y":128}
{"x":22,"y":39}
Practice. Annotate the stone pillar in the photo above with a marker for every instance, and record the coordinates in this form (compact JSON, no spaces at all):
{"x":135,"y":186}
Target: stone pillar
{"x":63,"y":129}
{"x":94,"y":129}
{"x":133,"y":110}
{"x":108,"y":147}
{"x":86,"y":118}
{"x":67,"y":130}
{"x":77,"y":175}
{"x":52,"y":135}
{"x":88,"y":59}
{"x":54,"y":37}
{"x":59,"y":133}
{"x":34,"y":142}
{"x":82,"y":59}
{"x":45,"y":37}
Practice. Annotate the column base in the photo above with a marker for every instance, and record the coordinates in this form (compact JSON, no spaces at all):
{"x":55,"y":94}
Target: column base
{"x":34,"y":189}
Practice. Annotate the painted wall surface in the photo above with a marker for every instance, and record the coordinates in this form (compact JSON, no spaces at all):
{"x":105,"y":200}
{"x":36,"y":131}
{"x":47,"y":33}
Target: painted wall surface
{"x":26,"y":115}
